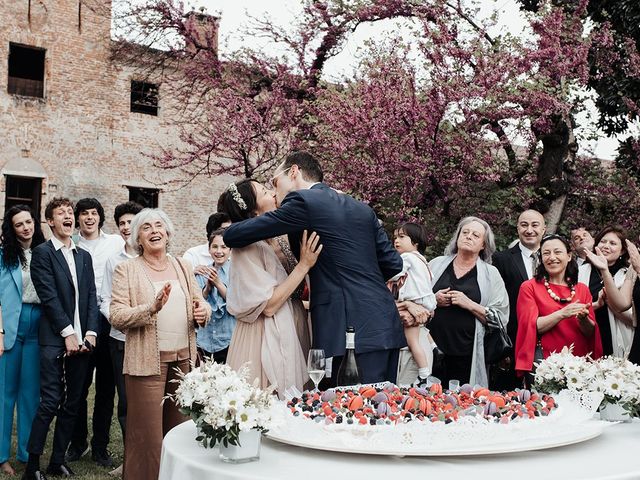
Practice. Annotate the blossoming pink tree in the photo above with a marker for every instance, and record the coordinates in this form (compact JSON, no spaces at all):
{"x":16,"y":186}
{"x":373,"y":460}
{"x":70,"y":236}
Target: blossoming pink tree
{"x":454,"y":122}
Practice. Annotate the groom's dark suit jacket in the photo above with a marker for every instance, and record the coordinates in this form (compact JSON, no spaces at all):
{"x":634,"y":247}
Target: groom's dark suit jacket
{"x":348,"y":281}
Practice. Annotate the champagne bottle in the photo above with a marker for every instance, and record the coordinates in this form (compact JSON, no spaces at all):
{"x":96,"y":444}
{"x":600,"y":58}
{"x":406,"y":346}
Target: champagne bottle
{"x":349,"y":373}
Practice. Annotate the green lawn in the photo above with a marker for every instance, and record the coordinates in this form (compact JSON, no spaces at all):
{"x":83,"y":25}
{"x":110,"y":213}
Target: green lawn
{"x":84,"y":468}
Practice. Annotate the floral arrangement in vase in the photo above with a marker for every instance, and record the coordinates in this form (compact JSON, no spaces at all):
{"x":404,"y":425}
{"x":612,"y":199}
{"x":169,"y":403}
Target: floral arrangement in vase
{"x":618,"y":379}
{"x":222,"y":403}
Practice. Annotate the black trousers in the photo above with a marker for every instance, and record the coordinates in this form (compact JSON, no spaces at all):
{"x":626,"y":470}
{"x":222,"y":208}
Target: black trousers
{"x":454,"y":367}
{"x":116,"y":348}
{"x":61,"y":386}
{"x":105,"y":391}
{"x":218,"y":357}
{"x":503,"y":377}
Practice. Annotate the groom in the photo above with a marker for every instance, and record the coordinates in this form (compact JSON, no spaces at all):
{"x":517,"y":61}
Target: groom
{"x":348,"y":280}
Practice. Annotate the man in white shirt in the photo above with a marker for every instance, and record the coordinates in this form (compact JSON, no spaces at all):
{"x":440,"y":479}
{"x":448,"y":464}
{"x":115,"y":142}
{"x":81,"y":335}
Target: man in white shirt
{"x":517,"y":265}
{"x":89,"y":216}
{"x":199,"y":255}
{"x":123,"y":215}
{"x":63,"y":278}
{"x":581,"y":242}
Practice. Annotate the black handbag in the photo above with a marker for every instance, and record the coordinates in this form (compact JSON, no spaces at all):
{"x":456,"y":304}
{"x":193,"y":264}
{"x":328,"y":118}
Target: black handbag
{"x":538,"y":355}
{"x":497,"y":344}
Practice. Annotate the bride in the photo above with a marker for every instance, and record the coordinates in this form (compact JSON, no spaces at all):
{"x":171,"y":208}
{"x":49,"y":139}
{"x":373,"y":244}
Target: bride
{"x":265,"y":282}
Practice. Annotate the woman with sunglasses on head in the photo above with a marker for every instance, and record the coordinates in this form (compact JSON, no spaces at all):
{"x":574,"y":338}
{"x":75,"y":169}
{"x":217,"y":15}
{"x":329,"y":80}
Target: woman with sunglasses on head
{"x":616,"y":327}
{"x":554,"y":310}
{"x":620,"y":298}
{"x":19,"y":321}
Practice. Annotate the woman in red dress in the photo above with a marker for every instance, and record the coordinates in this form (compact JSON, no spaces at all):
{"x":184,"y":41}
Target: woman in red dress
{"x":554,"y":309}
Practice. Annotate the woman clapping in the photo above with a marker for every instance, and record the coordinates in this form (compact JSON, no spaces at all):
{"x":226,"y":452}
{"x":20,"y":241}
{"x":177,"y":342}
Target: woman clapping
{"x":156,"y":302}
{"x":554,"y":310}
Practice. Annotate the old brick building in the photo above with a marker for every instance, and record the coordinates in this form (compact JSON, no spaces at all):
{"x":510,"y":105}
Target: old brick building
{"x":76,"y":123}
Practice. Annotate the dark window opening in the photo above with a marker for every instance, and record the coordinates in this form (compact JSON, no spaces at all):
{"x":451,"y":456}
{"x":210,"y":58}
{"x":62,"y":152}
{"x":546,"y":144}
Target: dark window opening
{"x":144,"y":97}
{"x":26,"y":70}
{"x":23,"y":190}
{"x":147,"y":197}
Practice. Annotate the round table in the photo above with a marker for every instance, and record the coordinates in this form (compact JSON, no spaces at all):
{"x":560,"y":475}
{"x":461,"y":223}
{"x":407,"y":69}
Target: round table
{"x":614,"y":455}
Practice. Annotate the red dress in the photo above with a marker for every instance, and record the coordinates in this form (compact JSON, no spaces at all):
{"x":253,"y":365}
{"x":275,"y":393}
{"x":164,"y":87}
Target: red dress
{"x":534,"y":301}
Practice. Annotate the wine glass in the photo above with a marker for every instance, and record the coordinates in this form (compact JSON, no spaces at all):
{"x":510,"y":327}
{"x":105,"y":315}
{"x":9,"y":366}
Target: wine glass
{"x":316,"y":366}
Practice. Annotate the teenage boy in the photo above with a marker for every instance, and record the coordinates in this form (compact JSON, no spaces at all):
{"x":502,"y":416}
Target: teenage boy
{"x":89,"y":216}
{"x":123,"y":215}
{"x":199,"y":255}
{"x":62,"y":275}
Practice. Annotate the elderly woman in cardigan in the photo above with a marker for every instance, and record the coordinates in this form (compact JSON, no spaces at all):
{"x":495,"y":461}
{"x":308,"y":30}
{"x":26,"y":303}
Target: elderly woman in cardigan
{"x":470,"y":296}
{"x":156,"y":302}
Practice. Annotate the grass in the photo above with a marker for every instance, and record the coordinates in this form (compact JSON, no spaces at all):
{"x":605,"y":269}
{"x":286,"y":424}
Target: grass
{"x":85,"y":468}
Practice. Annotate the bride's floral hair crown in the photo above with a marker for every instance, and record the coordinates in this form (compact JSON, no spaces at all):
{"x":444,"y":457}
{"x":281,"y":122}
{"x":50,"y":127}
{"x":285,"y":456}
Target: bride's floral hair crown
{"x":235,"y":194}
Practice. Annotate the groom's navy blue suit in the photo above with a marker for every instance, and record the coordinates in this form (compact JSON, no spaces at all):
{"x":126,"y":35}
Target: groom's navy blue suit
{"x":348,"y":280}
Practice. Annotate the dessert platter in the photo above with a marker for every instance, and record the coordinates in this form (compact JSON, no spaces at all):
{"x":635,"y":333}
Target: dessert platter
{"x":384,"y":419}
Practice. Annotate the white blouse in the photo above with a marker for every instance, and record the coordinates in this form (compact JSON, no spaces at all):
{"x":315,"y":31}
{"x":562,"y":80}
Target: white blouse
{"x":29,"y":294}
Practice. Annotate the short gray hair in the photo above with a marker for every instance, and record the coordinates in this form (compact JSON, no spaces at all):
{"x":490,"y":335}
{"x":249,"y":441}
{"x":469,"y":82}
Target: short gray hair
{"x":489,"y":240}
{"x":148,"y":215}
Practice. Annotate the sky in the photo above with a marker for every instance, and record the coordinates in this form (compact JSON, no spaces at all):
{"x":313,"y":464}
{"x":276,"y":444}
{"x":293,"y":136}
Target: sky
{"x":235,"y":13}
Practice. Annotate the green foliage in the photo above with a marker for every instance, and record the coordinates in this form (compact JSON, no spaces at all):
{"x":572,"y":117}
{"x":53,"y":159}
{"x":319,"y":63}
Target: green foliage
{"x":615,"y":73}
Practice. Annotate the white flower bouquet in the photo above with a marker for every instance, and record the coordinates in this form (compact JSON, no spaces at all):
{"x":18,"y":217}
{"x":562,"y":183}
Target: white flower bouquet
{"x":616,"y":378}
{"x":222,"y":403}
{"x":619,"y":380}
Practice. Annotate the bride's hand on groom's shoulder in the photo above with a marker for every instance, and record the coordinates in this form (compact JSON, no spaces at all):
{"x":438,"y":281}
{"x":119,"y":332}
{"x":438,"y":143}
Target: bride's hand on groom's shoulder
{"x":310,"y":248}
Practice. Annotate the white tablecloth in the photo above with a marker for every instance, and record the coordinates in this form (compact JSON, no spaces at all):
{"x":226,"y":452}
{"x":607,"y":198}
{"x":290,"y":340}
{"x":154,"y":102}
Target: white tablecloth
{"x":614,"y":455}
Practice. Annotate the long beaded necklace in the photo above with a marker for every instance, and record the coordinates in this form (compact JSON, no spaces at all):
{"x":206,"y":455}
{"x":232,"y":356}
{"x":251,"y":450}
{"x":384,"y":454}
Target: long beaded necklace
{"x":555,"y":297}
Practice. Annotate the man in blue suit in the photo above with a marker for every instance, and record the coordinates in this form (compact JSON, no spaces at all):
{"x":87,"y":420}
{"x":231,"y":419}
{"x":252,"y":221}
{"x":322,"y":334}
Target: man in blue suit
{"x":63,"y":278}
{"x":347,"y":283}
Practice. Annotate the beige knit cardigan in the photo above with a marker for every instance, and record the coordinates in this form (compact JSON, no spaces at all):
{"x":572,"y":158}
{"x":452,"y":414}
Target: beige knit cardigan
{"x":130,"y":311}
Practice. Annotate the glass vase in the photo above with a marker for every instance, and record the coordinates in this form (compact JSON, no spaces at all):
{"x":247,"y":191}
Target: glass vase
{"x":614,"y":412}
{"x":247,"y":451}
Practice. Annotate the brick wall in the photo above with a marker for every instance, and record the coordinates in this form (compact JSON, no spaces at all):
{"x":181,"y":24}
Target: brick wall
{"x":82,"y":133}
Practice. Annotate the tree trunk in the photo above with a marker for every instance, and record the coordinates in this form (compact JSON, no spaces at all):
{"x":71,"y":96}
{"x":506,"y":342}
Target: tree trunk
{"x":554,"y":168}
{"x":554,"y":214}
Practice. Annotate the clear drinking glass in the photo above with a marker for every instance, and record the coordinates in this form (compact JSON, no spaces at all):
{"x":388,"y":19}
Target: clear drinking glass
{"x":432,"y":380}
{"x":316,"y":364}
{"x":454,"y":385}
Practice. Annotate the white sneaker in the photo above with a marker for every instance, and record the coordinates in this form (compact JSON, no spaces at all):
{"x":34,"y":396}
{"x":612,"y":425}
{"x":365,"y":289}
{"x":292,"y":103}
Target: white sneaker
{"x":116,"y":472}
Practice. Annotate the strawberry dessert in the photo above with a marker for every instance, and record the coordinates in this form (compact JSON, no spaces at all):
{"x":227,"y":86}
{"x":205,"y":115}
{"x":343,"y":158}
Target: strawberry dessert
{"x":390,"y":405}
